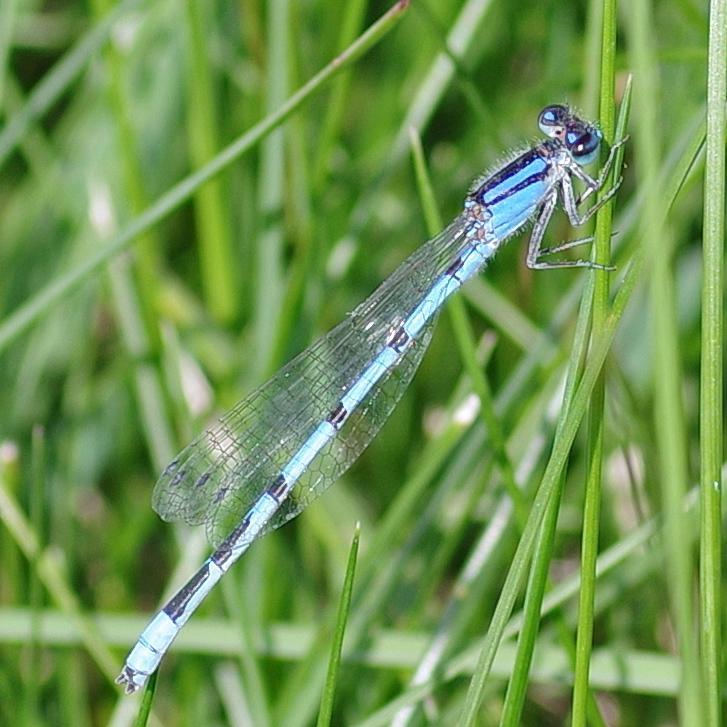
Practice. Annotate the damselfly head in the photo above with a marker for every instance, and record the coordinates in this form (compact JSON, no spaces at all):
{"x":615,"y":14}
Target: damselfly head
{"x":580,"y":138}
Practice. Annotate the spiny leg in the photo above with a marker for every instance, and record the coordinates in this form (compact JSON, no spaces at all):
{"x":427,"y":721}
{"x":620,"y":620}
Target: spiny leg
{"x":568,"y":244}
{"x":535,"y":251}
{"x":577,"y":218}
{"x":570,"y":204}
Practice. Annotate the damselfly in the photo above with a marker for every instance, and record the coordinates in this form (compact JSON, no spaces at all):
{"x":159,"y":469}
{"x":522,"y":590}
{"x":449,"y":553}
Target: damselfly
{"x":284,"y":444}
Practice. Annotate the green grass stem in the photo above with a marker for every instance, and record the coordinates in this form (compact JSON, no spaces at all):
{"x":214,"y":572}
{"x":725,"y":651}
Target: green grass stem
{"x":325,"y":715}
{"x":582,"y":701}
{"x":668,"y":407}
{"x":712,"y":368}
{"x":216,"y":257}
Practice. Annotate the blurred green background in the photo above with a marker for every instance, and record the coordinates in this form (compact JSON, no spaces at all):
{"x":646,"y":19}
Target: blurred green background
{"x":104,"y":108}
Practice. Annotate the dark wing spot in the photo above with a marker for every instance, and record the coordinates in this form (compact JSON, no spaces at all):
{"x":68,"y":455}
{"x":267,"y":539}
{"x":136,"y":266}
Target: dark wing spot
{"x":201,"y":481}
{"x":178,"y":478}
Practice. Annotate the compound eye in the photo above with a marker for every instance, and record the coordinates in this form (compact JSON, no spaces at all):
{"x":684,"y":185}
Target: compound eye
{"x":552,"y":119}
{"x":584,"y":147}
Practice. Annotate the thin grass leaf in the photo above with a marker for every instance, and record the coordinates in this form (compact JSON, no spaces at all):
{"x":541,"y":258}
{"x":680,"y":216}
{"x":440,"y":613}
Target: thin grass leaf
{"x":464,"y":337}
{"x":668,"y":408}
{"x":584,"y":705}
{"x":147,"y":700}
{"x":532,"y":612}
{"x":712,"y":367}
{"x":217,"y":260}
{"x":35,"y":598}
{"x":334,"y":665}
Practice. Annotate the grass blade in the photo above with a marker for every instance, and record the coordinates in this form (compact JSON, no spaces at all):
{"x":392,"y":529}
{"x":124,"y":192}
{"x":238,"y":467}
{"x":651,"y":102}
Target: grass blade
{"x":712,"y":366}
{"x":344,"y":606}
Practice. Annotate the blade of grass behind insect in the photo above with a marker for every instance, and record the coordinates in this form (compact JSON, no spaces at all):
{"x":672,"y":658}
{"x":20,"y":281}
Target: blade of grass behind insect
{"x":344,"y":606}
{"x":45,"y":300}
{"x":269,"y":278}
{"x":464,"y":336}
{"x":147,"y":699}
{"x":668,"y":415}
{"x":353,"y":15}
{"x":212,"y":221}
{"x":712,"y":366}
{"x":582,"y":701}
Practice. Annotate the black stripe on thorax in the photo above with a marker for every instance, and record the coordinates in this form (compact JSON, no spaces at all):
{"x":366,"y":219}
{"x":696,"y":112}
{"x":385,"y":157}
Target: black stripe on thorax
{"x":532,"y":179}
{"x":542,"y":152}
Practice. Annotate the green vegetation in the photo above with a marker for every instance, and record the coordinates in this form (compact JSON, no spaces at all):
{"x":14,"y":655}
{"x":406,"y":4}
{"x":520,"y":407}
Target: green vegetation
{"x":190,"y":193}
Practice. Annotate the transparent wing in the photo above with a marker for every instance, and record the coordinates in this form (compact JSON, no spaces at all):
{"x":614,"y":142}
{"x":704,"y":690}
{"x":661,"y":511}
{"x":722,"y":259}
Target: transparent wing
{"x":216,"y":478}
